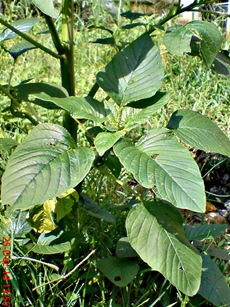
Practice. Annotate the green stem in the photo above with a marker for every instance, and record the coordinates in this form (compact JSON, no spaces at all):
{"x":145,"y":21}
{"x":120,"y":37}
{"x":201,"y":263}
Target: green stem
{"x":54,"y":34}
{"x":93,"y":90}
{"x":30,"y":40}
{"x":179,"y":10}
{"x":67,"y":63}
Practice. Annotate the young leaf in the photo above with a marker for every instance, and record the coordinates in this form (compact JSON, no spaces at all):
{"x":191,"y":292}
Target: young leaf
{"x":177,"y":176}
{"x":45,"y":165}
{"x":47,"y":7}
{"x":119,"y":271}
{"x":23,"y":26}
{"x":158,"y":237}
{"x":105,"y":140}
{"x":79,"y":107}
{"x":198,"y":131}
{"x":210,"y":37}
{"x":213,"y":284}
{"x":134,"y":73}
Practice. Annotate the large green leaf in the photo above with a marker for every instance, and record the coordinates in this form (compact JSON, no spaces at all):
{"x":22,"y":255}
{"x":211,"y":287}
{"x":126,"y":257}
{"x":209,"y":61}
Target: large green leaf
{"x":137,"y":162}
{"x":79,"y":107}
{"x":23,"y":26}
{"x":198,"y":37}
{"x":159,"y":159}
{"x":47,"y":7}
{"x":177,"y":40}
{"x":210,"y":39}
{"x":119,"y":271}
{"x":105,"y":140}
{"x":134,"y":73}
{"x":158,"y":237}
{"x":213,"y":284}
{"x":45,"y":165}
{"x":177,"y":175}
{"x":198,"y":131}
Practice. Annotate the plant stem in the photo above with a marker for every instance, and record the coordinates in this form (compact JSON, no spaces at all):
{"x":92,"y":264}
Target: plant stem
{"x":30,"y":40}
{"x":54,"y":34}
{"x":67,"y":63}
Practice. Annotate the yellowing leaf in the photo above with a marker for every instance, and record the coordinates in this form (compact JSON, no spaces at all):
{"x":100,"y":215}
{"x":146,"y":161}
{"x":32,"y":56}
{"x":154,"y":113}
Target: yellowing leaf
{"x":40,"y":217}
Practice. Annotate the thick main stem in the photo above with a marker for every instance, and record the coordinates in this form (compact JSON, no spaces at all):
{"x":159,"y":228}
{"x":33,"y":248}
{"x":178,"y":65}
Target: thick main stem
{"x":67,"y":63}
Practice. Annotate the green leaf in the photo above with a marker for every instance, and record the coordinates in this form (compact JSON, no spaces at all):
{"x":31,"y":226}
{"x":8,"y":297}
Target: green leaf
{"x":177,"y":176}
{"x":63,"y":207}
{"x":177,"y":40}
{"x":47,"y":7}
{"x":213,"y":284}
{"x":158,"y":237}
{"x":206,"y":231}
{"x":20,"y":48}
{"x":113,"y":164}
{"x":132,"y":15}
{"x":79,"y":107}
{"x":23,"y":26}
{"x":134,"y":25}
{"x":105,"y":140}
{"x":134,"y":73}
{"x":45,"y":165}
{"x":105,"y":41}
{"x":211,"y":250}
{"x":131,"y":117}
{"x":119,"y":271}
{"x":52,"y":243}
{"x":7,"y":144}
{"x":198,"y":131}
{"x":210,"y":39}
{"x":221,"y":64}
{"x":95,"y":210}
{"x":137,"y":162}
{"x":100,"y":27}
{"x":124,"y":249}
{"x":20,"y":225}
{"x":23,"y":92}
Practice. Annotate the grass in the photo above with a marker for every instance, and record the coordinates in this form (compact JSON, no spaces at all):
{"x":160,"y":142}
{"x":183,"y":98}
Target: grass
{"x":190,"y":85}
